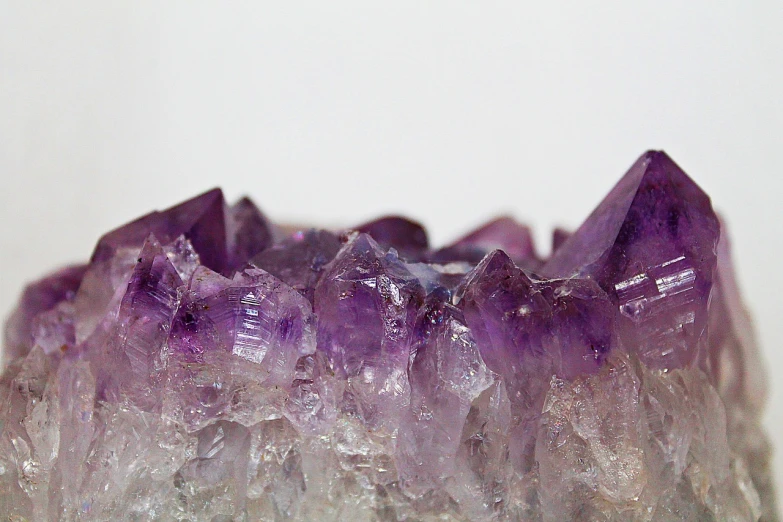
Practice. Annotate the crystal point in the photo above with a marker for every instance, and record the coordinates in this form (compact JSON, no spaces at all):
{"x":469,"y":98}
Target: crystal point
{"x":207,"y":364}
{"x":224,"y":238}
{"x":407,"y":237}
{"x":248,"y":233}
{"x":366,"y":305}
{"x":200,"y":219}
{"x":146,"y":312}
{"x":651,"y":245}
{"x":503,"y":233}
{"x":254,"y":317}
{"x":38,"y":298}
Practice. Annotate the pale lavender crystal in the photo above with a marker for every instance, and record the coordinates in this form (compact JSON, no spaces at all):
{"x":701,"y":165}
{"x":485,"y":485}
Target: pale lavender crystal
{"x":366,"y":304}
{"x":137,"y":339}
{"x":446,"y":376}
{"x":41,"y":297}
{"x":247,"y":233}
{"x":207,"y":365}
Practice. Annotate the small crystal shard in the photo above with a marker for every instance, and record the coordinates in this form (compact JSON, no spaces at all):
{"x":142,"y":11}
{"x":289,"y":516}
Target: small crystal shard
{"x":208,"y":365}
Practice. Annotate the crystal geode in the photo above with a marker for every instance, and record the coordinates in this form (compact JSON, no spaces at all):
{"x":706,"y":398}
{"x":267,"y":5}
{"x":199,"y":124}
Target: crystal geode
{"x":208,"y":365}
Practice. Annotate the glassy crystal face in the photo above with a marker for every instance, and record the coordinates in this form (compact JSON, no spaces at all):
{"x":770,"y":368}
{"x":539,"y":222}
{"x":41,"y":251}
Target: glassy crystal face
{"x":208,"y":365}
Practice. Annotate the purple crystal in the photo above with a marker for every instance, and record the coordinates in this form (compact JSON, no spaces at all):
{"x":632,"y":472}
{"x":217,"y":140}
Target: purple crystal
{"x":300,"y":260}
{"x":145,"y":316}
{"x":38,"y":298}
{"x":224,"y":238}
{"x":503,"y":233}
{"x":567,"y":323}
{"x":407,"y":237}
{"x":201,"y":220}
{"x":446,"y":376}
{"x":208,"y":365}
{"x":526,"y":329}
{"x":559,"y":237}
{"x":731,"y":337}
{"x":254,"y":316}
{"x":366,"y":304}
{"x":651,"y":246}
{"x":734,"y":366}
{"x":248,"y":233}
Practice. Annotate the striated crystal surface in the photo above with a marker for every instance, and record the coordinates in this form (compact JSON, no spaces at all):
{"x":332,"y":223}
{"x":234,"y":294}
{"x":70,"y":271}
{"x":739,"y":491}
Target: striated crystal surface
{"x":208,"y":365}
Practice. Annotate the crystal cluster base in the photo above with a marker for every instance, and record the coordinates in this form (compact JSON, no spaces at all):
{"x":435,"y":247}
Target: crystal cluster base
{"x":209,"y":365}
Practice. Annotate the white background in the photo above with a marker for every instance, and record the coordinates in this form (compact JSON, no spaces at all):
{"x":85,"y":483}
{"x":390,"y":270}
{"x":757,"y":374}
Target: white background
{"x":450,"y":112}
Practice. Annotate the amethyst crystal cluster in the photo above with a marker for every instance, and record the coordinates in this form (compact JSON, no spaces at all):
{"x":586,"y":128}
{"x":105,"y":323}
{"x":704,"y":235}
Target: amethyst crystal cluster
{"x":208,"y":365}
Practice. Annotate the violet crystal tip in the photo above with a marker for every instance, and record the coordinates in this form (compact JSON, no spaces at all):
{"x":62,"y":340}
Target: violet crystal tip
{"x":209,"y":365}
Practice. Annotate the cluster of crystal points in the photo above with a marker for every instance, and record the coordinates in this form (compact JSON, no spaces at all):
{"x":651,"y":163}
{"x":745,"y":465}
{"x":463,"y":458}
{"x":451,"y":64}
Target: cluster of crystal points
{"x":208,"y":365}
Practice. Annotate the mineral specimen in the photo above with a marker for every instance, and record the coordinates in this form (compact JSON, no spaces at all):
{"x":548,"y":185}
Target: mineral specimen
{"x":208,"y":365}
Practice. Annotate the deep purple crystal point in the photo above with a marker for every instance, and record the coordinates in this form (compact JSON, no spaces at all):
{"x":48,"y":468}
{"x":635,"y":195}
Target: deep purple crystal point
{"x":208,"y":365}
{"x":201,"y":220}
{"x":223,"y":237}
{"x":248,"y":233}
{"x":559,"y":236}
{"x":651,"y":245}
{"x":654,"y":214}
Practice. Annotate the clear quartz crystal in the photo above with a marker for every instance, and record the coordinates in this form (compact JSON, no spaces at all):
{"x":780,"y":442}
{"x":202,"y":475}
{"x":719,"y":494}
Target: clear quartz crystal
{"x":208,"y":365}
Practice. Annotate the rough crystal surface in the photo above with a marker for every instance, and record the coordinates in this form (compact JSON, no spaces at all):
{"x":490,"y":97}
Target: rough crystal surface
{"x":207,"y":365}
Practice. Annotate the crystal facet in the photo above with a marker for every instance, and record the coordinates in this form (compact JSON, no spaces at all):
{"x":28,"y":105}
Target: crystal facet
{"x":407,"y":237}
{"x":651,"y":245}
{"x":207,"y":365}
{"x":503,"y":233}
